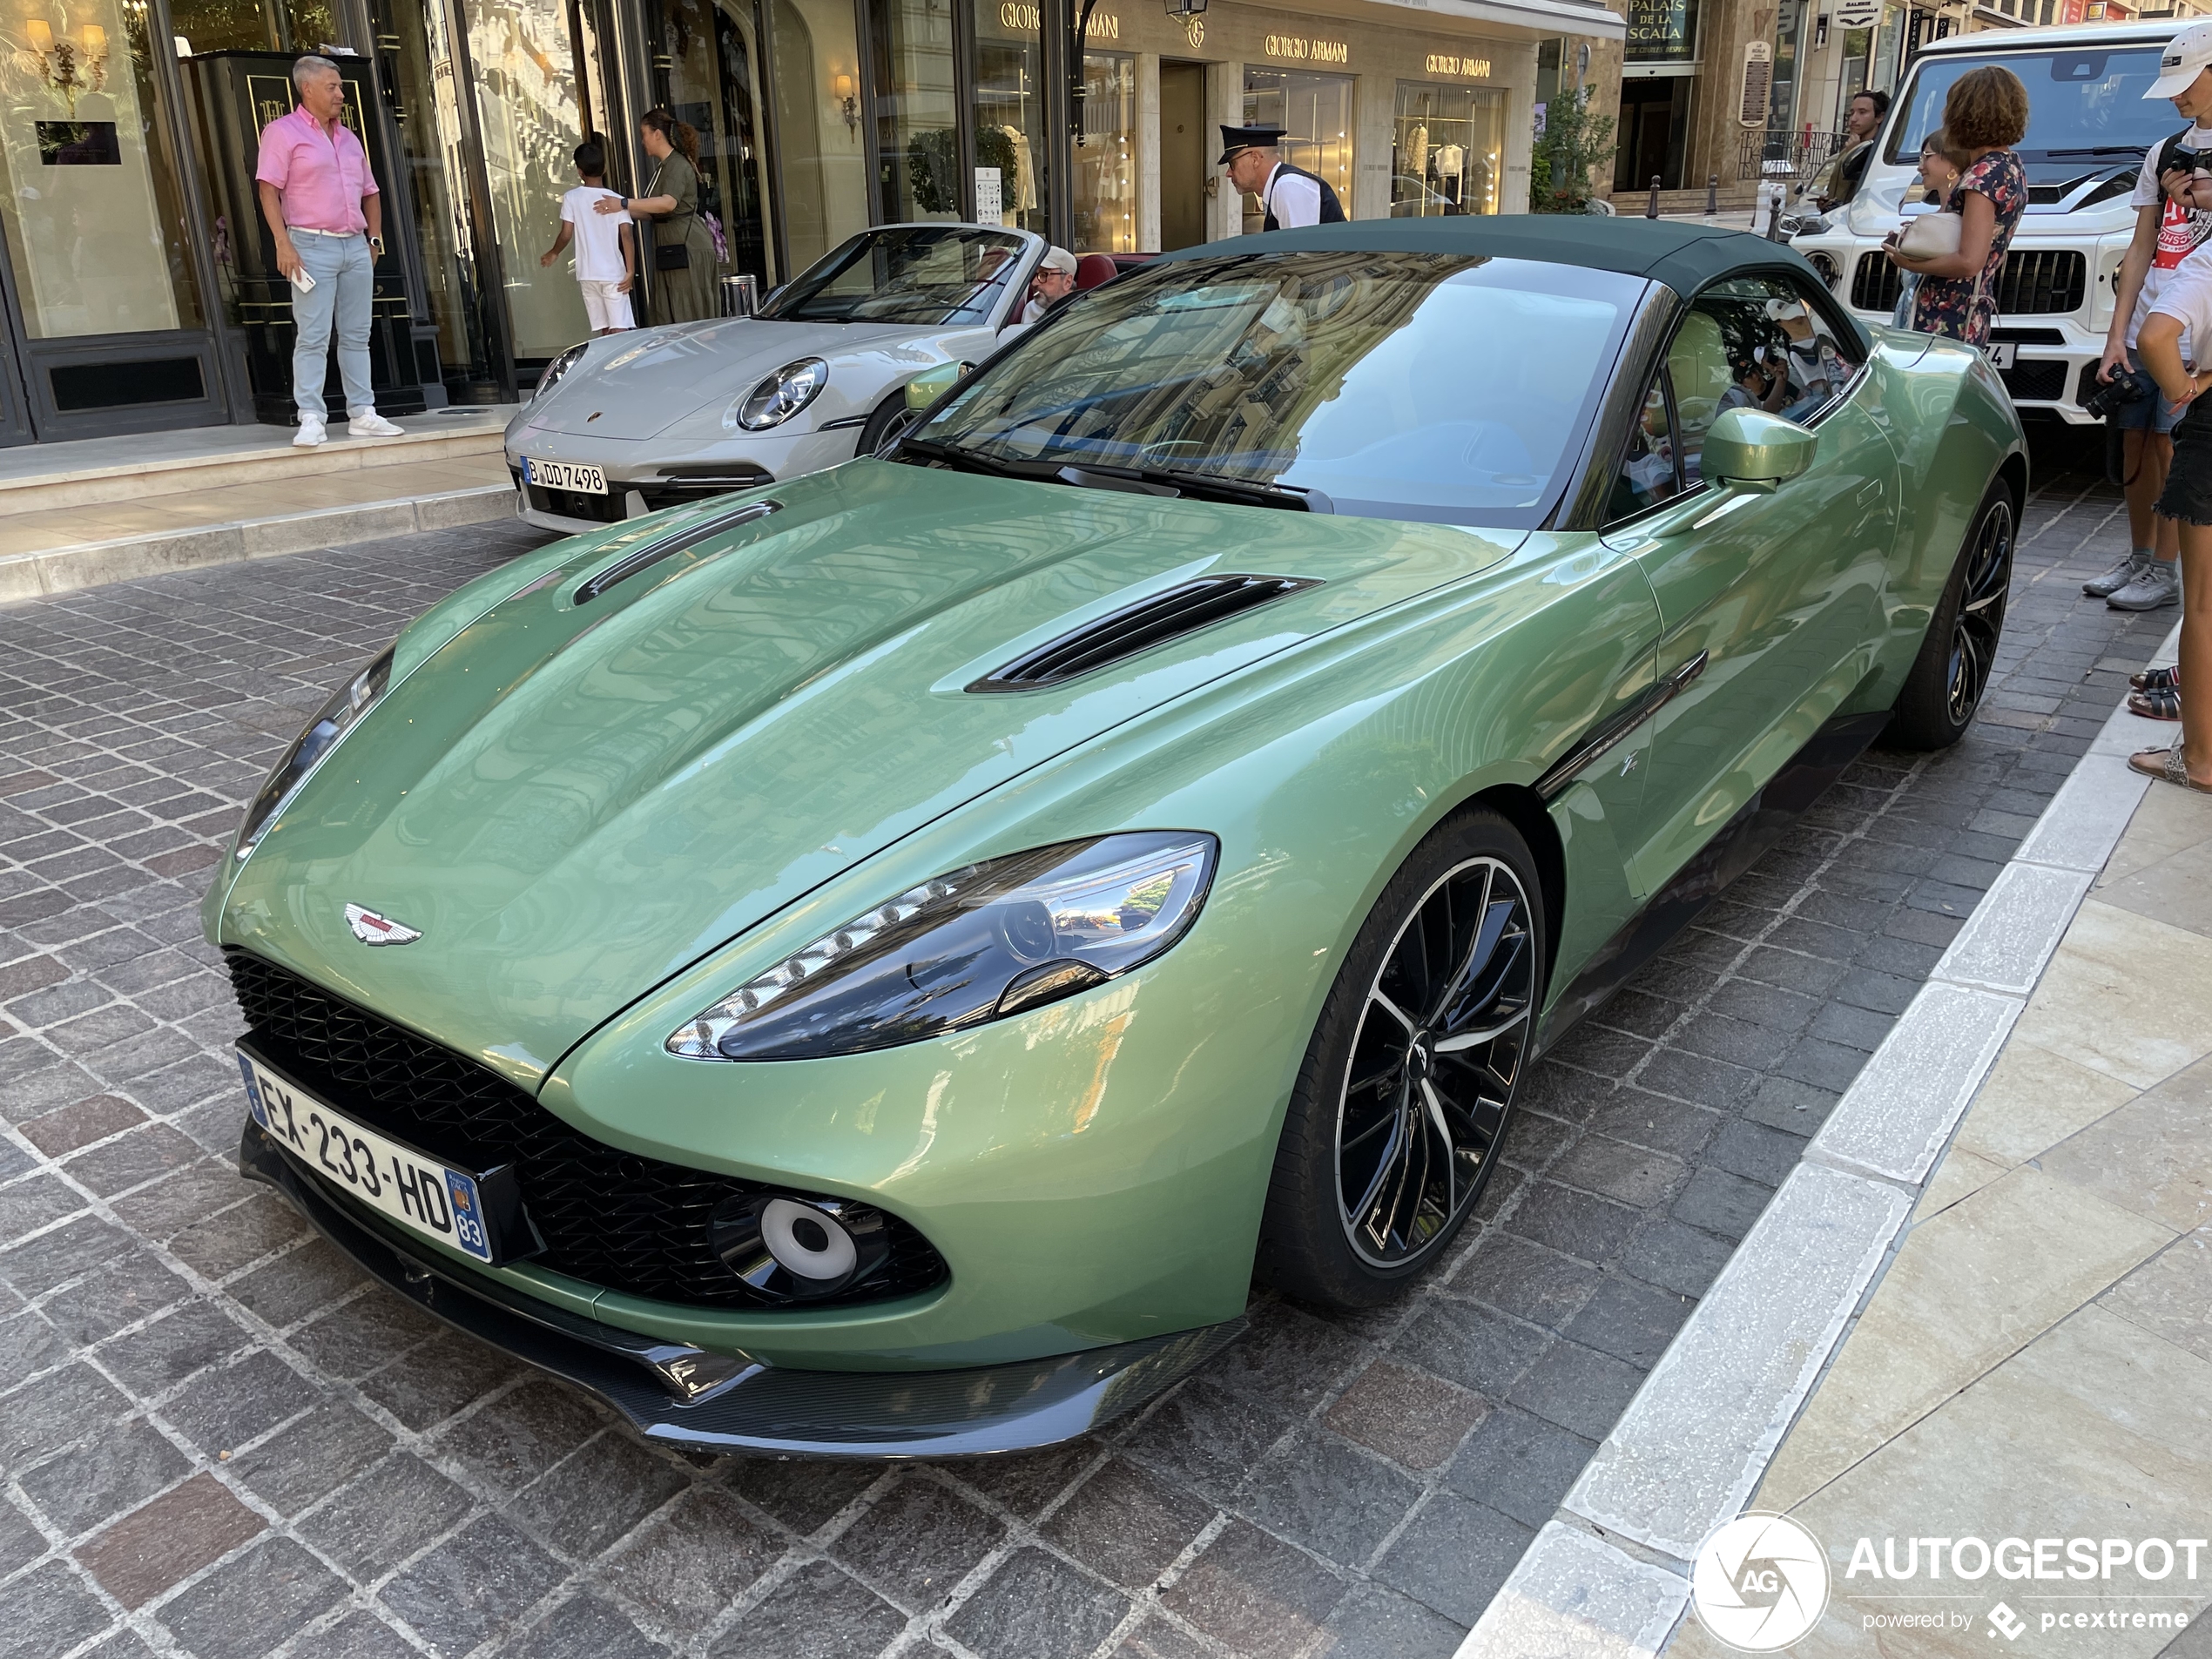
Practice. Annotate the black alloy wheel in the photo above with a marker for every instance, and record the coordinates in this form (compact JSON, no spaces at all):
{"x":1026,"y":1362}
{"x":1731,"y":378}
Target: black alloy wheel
{"x":1981,"y":619}
{"x":1434,"y":1066}
{"x":1951,"y":675}
{"x":1395,"y":1123}
{"x":890,"y":423}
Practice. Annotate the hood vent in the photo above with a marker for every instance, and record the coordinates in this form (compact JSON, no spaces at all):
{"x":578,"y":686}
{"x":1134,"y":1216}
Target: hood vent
{"x":1139,"y":627}
{"x":667,"y":546}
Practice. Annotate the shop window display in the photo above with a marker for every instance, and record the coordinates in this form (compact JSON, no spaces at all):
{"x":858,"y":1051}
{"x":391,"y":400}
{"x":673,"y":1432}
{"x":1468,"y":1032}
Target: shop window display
{"x":917,"y":102}
{"x":1447,"y":147}
{"x":1105,"y":171}
{"x":1315,"y":114}
{"x":89,"y":197}
{"x":820,"y":140}
{"x":1009,"y":112}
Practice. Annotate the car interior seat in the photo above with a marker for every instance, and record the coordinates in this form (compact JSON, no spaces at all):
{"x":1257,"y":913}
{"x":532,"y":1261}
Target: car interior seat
{"x":1095,"y":270}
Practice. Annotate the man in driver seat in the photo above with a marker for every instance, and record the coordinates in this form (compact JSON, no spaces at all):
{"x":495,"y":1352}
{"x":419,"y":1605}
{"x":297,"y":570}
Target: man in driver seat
{"x":1290,"y":197}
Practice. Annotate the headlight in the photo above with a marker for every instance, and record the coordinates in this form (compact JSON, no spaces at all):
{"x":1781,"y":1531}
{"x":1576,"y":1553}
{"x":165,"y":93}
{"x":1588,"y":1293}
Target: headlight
{"x":560,"y":366}
{"x":977,"y":944}
{"x":348,"y":704}
{"x":790,"y":389}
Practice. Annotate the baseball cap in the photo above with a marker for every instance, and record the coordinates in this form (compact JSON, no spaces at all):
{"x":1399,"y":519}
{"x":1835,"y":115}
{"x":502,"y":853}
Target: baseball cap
{"x":1058,"y":259}
{"x":2187,"y":56}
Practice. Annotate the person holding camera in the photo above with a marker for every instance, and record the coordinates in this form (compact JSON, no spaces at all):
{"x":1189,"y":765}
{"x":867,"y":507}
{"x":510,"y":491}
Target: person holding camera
{"x":1985,"y":114}
{"x":2169,"y":228}
{"x":2183,"y":309}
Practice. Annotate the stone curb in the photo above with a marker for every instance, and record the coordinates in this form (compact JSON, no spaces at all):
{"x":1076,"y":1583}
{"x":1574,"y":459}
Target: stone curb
{"x":1695,"y":1442}
{"x":90,"y":564}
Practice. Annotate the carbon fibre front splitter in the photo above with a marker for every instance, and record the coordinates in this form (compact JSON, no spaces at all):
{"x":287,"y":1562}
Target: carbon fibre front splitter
{"x":760,"y":1410}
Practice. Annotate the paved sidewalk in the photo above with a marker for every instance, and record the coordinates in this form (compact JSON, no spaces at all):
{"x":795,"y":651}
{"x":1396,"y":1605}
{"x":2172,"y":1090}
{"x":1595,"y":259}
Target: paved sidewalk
{"x":226,"y":1443}
{"x":2036,"y":1361}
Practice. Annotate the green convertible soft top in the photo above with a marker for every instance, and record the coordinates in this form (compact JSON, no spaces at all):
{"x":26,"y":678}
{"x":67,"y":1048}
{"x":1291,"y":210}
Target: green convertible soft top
{"x":1684,"y":257}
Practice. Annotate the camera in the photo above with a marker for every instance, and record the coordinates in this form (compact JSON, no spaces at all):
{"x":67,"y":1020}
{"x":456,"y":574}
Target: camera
{"x":2129,"y":385}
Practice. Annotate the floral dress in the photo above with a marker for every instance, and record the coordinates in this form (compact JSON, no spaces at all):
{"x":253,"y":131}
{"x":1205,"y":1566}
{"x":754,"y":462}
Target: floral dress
{"x":1960,"y":308}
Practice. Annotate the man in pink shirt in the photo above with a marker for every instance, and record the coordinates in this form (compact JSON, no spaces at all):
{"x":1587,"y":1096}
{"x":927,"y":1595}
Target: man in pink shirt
{"x":323,"y":209}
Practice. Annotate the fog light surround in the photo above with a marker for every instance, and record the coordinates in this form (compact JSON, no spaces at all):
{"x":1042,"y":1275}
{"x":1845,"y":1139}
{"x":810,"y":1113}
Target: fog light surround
{"x":798,"y":1249}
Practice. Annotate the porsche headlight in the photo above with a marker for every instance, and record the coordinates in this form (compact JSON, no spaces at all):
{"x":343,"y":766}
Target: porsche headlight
{"x":790,"y":389}
{"x":560,"y":366}
{"x":346,"y":705}
{"x":977,"y":944}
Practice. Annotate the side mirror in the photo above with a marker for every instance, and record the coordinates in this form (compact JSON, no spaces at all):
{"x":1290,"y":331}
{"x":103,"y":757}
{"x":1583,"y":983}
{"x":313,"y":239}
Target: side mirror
{"x":1752,"y":448}
{"x":931,"y":384}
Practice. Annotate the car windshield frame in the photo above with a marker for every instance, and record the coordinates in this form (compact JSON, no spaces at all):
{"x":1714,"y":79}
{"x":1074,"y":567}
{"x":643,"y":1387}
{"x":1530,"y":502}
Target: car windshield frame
{"x":809,"y":296}
{"x":947,"y":436}
{"x":1901,"y":147}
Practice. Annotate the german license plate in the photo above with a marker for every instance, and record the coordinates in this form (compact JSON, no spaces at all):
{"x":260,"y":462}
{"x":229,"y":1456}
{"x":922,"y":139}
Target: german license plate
{"x":566,"y":475}
{"x":413,"y":1189}
{"x":2002,"y":353}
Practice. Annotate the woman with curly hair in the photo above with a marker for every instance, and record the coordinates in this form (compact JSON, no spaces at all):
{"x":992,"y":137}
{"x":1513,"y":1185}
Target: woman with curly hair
{"x":1985,"y":115}
{"x":683,"y":257}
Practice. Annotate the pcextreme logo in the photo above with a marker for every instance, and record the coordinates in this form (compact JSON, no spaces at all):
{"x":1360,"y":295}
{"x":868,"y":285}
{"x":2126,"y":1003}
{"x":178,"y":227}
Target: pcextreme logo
{"x":1759,"y":1583}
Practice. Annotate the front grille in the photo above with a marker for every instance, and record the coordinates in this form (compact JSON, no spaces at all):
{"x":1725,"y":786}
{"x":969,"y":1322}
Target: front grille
{"x":608,"y":1217}
{"x":2034,"y":382}
{"x":1874,"y":284}
{"x":2045,"y":282}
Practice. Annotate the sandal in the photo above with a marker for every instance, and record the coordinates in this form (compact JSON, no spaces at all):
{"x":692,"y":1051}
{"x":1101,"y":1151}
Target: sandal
{"x":2168,"y":764}
{"x":2156,"y":703}
{"x":2157,"y":679}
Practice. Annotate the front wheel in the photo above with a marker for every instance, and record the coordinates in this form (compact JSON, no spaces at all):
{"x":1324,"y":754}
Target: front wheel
{"x":1395,"y":1123}
{"x":1952,"y":673}
{"x":886,"y":425}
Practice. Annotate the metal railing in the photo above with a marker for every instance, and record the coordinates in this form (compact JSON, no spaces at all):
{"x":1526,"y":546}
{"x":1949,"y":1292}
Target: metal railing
{"x":1776,"y":155}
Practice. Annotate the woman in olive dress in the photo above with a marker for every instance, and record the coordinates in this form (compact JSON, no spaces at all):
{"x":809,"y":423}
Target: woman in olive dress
{"x":683,"y":261}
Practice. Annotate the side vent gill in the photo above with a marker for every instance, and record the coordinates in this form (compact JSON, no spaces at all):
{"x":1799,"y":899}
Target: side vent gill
{"x":653,"y":552}
{"x":1139,"y":627}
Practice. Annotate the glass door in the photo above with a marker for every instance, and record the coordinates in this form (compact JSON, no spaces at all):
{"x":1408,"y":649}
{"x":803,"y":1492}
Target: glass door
{"x":105,"y":308}
{"x":1010,"y":137}
{"x":706,"y":73}
{"x":916,"y":110}
{"x":1105,"y":170}
{"x":820,"y":149}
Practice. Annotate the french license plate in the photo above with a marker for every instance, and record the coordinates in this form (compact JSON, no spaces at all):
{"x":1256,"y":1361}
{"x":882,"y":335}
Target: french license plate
{"x":413,"y":1189}
{"x":2002,"y":353}
{"x":566,"y":475}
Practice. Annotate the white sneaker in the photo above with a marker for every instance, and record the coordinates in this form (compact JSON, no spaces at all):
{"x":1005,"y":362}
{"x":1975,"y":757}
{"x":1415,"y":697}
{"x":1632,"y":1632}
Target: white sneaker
{"x":312,"y":432}
{"x":2158,"y":585}
{"x":368,"y":423}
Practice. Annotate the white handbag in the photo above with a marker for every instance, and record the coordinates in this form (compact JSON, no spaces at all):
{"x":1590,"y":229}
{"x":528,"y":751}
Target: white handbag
{"x":1930,"y":236}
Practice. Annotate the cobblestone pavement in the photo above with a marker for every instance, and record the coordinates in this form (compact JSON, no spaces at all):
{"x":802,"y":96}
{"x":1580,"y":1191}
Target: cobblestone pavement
{"x":216,"y":1439}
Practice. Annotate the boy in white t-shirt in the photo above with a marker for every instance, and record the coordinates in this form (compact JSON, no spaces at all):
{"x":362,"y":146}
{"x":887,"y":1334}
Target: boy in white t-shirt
{"x":2170,"y":228}
{"x":606,"y":257}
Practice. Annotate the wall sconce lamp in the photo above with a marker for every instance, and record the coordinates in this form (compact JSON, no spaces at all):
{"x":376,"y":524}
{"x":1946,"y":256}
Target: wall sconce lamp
{"x":842,"y":87}
{"x":70,"y":67}
{"x":1185,"y":9}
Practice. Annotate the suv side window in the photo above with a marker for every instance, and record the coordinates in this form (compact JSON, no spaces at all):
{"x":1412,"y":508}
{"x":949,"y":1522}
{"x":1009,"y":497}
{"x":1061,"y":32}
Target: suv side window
{"x":1648,"y":472}
{"x":1753,"y":342}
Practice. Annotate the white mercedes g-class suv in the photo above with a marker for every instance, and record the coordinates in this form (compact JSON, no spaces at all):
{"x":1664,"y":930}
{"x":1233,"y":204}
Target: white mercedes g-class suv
{"x":2088,"y":128}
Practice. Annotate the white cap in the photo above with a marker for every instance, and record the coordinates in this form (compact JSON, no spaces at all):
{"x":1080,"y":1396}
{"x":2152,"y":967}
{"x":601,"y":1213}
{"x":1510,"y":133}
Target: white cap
{"x":1058,"y":259}
{"x":2187,"y":56}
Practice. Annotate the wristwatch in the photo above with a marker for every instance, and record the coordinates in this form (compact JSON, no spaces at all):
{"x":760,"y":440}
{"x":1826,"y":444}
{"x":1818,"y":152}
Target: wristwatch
{"x":376,"y":245}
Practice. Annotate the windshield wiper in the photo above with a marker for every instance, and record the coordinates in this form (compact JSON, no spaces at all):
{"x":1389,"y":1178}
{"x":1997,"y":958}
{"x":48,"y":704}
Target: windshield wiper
{"x":1213,"y":486}
{"x":952,"y":454}
{"x":2099,"y":150}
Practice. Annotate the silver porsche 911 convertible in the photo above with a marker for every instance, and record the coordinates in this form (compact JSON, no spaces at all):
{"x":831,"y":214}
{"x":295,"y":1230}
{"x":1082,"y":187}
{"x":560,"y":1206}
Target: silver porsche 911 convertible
{"x":627,"y":423}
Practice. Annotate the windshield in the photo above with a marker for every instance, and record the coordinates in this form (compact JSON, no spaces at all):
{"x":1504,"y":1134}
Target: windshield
{"x":2078,"y":102}
{"x":917,"y":273}
{"x":1394,"y":384}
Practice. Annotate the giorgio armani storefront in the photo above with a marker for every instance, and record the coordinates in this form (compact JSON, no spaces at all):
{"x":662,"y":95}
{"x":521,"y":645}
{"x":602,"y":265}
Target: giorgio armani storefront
{"x":138,"y":285}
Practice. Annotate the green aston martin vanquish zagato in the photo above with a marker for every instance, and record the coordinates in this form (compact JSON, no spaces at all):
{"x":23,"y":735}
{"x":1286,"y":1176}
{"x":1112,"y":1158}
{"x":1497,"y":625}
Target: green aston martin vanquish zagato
{"x":875,"y":964}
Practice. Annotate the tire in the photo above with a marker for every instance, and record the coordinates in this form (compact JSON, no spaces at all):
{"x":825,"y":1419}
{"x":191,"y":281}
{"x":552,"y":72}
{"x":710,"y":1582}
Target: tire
{"x":890,"y":418}
{"x":1379,"y":1168}
{"x":1951,"y":675}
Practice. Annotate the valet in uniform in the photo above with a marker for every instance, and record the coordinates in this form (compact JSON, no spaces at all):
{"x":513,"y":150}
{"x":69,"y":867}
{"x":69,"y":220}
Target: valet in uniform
{"x":1290,"y":196}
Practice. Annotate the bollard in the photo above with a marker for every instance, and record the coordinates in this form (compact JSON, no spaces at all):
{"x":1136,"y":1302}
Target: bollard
{"x":1774,"y":219}
{"x":1712,"y":195}
{"x":1651,"y":207}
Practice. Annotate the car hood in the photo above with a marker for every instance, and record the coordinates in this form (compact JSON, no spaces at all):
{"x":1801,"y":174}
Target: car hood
{"x":571,"y":802}
{"x":650,"y":383}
